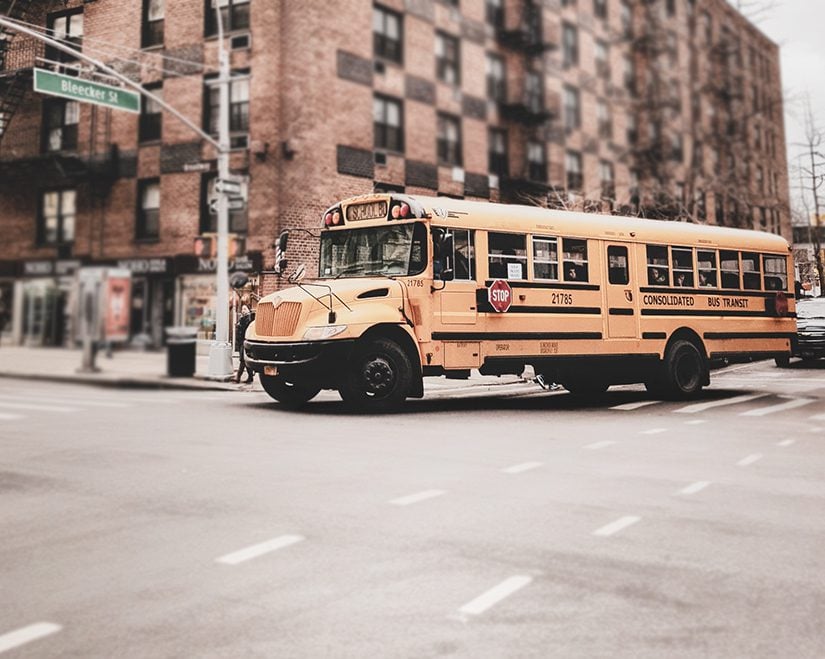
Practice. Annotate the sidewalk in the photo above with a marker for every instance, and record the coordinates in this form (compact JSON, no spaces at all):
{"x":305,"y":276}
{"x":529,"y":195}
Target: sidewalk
{"x":136,"y":369}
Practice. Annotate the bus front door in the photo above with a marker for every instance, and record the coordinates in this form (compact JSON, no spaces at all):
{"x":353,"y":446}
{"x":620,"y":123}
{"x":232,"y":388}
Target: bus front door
{"x":620,"y":303}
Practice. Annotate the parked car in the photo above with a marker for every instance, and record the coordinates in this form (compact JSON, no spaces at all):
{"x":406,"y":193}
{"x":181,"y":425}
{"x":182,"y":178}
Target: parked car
{"x":810,"y":331}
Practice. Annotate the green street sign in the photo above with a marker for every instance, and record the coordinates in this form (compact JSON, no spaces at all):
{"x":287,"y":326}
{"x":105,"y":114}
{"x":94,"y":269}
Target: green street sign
{"x":78,"y":89}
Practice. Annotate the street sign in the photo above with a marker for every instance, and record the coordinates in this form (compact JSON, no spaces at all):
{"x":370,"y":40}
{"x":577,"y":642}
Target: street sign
{"x":236,"y":203}
{"x":77,"y":89}
{"x":500,"y":295}
{"x":227,"y":186}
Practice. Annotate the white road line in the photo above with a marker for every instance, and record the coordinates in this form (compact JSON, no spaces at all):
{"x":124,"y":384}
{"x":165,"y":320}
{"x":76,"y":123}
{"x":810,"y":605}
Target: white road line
{"x":695,"y":422}
{"x":749,"y":460}
{"x":698,"y":486}
{"x":629,"y":407}
{"x":653,"y":431}
{"x":701,"y":407}
{"x":524,"y":466}
{"x":418,"y":496}
{"x":493,"y":596}
{"x":259,"y":550}
{"x":618,"y":525}
{"x":791,"y":404}
{"x":26,"y":635}
{"x":38,"y":408}
{"x":597,"y":445}
{"x":786,"y":442}
{"x":60,"y":401}
{"x":9,"y":417}
{"x":817,"y":417}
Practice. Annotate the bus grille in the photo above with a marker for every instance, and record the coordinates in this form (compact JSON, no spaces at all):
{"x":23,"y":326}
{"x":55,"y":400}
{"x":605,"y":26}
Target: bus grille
{"x":282,"y":321}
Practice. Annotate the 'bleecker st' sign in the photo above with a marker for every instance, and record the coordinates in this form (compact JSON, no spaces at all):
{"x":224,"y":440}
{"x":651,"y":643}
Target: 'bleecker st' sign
{"x":77,"y":89}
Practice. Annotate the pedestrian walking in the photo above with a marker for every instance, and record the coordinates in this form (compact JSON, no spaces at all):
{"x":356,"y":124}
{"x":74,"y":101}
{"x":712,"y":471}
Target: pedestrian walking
{"x":244,"y":319}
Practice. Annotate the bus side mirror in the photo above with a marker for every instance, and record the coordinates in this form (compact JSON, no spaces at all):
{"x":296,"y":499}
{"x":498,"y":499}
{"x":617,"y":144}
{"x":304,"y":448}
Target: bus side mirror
{"x":298,"y":275}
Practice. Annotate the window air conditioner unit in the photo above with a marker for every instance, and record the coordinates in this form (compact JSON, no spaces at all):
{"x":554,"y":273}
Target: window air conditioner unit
{"x":240,"y":41}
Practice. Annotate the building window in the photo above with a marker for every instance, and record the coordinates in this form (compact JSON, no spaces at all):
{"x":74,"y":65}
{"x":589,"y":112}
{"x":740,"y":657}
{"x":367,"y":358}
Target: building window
{"x":151,"y":117}
{"x":671,"y":7}
{"x":494,"y":12}
{"x":496,"y":83}
{"x":148,"y":212}
{"x":498,"y":160}
{"x":676,"y":148}
{"x":602,"y":59}
{"x":534,"y":92}
{"x":153,"y":17}
{"x":57,"y":217}
{"x":629,"y":74}
{"x":707,"y":27}
{"x":573,"y":167}
{"x":600,"y":8}
{"x":572,"y":109}
{"x":447,"y":59}
{"x":60,"y":119}
{"x":608,"y":180}
{"x":238,"y":220}
{"x":632,"y":130}
{"x":448,"y":143}
{"x":536,"y":162}
{"x":238,"y":108}
{"x":66,"y":27}
{"x":386,"y":34}
{"x":605,"y":124}
{"x":388,"y":124}
{"x":570,"y":45}
{"x":626,"y":17}
{"x":234,"y":14}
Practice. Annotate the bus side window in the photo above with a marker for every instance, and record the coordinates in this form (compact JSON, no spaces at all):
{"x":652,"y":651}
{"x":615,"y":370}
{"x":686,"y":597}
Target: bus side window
{"x":507,"y":255}
{"x":418,"y":250}
{"x":751,"y":275}
{"x":776,"y":273}
{"x":545,"y":258}
{"x":658,"y":265}
{"x":729,"y":260}
{"x":465,"y":257}
{"x":617,"y":270}
{"x":682,"y":266}
{"x":707,"y":268}
{"x":574,"y":254}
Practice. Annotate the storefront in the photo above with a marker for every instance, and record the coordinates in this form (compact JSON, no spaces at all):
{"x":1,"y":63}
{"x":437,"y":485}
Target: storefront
{"x":42,"y":302}
{"x":153,"y":299}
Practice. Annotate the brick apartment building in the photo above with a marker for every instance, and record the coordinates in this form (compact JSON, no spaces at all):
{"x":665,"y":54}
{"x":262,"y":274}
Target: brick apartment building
{"x":669,"y":108}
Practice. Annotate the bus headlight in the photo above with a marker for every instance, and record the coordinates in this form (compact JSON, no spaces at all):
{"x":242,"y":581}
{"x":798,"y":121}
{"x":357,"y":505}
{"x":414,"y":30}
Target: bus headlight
{"x":326,"y":332}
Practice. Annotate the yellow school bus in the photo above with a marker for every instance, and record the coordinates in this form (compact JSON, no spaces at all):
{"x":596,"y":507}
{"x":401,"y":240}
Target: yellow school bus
{"x":410,"y":287}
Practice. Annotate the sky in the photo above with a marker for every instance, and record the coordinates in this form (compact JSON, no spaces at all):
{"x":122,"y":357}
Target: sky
{"x":798,"y":26}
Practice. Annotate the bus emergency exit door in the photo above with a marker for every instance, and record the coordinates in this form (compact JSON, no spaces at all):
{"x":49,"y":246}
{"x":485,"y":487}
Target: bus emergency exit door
{"x":622,"y":321}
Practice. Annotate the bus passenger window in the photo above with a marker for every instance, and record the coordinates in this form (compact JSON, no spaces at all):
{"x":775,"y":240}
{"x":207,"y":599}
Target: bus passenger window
{"x":545,"y":258}
{"x":418,"y":249}
{"x":617,"y":270}
{"x":707,"y":268}
{"x":507,"y":255}
{"x":729,"y":261}
{"x":453,"y":254}
{"x":658,"y":265}
{"x":751,"y":275}
{"x":574,"y":253}
{"x":776,"y":273}
{"x":682,"y":266}
{"x":465,"y":256}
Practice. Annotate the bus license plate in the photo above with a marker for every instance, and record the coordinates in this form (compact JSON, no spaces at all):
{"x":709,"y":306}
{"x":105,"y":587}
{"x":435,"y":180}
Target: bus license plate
{"x":270,"y":370}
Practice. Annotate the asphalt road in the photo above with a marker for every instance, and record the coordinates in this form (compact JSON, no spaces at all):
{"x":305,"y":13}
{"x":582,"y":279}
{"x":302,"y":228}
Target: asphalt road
{"x":488,"y":522}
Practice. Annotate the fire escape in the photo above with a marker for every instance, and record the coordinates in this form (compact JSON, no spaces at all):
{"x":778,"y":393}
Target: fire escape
{"x":13,"y":78}
{"x":520,"y":28}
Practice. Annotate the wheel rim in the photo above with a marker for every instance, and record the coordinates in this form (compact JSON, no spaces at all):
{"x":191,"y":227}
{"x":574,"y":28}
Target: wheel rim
{"x":687,"y":371}
{"x":378,"y":376}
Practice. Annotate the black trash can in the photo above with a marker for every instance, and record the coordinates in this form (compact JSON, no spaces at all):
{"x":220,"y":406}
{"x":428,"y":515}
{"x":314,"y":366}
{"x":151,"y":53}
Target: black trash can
{"x":181,"y":350}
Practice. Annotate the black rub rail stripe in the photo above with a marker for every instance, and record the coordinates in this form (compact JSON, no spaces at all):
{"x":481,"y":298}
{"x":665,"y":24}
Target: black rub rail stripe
{"x":707,"y":312}
{"x":549,"y":285}
{"x":513,"y":336}
{"x":620,"y":312}
{"x":730,"y":292}
{"x":593,"y":311}
{"x":654,"y":335}
{"x":749,"y":335}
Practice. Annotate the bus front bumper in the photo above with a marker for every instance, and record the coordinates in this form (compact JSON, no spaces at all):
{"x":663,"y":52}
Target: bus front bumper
{"x":305,"y":357}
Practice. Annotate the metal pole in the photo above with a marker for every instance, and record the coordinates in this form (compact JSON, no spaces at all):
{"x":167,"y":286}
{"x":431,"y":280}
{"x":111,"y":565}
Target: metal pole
{"x":220,"y":352}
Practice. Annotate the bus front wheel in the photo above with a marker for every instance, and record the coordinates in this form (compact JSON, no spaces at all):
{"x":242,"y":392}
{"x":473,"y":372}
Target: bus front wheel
{"x":684,"y":370}
{"x":379,"y":376}
{"x":289,"y":394}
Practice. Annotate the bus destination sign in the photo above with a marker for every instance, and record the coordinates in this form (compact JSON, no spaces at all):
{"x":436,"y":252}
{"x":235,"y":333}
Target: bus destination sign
{"x":375,"y":210}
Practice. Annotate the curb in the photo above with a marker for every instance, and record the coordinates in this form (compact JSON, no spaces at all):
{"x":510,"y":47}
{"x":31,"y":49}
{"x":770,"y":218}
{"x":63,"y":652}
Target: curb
{"x":126,"y":382}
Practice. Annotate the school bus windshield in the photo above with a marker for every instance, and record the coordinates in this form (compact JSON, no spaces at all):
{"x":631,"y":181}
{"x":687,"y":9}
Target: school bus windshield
{"x":392,"y":249}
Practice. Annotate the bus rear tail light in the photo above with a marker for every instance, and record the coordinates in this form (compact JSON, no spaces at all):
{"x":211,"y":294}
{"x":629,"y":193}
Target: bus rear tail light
{"x":328,"y":220}
{"x":400,"y":211}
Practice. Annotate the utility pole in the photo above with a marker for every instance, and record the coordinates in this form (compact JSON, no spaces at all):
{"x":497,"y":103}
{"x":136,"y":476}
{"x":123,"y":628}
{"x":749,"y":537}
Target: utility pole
{"x":220,"y":353}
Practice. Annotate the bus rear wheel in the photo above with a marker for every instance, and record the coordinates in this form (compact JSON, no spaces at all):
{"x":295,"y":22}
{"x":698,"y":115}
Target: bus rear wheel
{"x":379,"y":376}
{"x":289,"y":394}
{"x":684,"y":370}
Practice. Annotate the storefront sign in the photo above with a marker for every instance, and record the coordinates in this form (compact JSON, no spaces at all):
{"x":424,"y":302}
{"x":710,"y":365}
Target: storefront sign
{"x":145,"y":266}
{"x":50,"y":268}
{"x":118,"y":297}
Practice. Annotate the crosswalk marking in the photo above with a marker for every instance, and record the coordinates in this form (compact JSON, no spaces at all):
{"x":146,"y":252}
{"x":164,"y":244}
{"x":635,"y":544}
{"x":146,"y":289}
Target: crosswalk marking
{"x":519,"y":468}
{"x":60,"y":401}
{"x":418,"y":496}
{"x":38,"y":408}
{"x":698,"y":486}
{"x":618,"y":525}
{"x":701,"y":407}
{"x":493,"y":596}
{"x":597,"y":445}
{"x":260,"y":549}
{"x":629,"y":407}
{"x":9,"y":417}
{"x":27,"y":634}
{"x":817,"y":417}
{"x":749,"y":460}
{"x":781,"y":407}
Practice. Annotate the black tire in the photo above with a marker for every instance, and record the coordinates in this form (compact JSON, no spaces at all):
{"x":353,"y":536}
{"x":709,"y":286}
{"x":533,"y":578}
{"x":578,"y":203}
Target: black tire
{"x":684,"y":370}
{"x":379,"y":376}
{"x":782,"y":362}
{"x":289,"y":394}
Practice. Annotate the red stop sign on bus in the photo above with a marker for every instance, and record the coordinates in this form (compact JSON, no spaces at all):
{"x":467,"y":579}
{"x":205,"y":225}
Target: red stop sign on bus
{"x":500,"y":295}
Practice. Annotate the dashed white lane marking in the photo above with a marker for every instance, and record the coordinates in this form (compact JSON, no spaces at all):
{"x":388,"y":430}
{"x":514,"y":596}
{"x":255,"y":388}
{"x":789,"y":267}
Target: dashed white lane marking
{"x":597,"y":445}
{"x":695,"y":422}
{"x":618,"y":525}
{"x":51,"y":400}
{"x":818,"y":417}
{"x":693,"y":488}
{"x":260,"y":549}
{"x":749,"y":460}
{"x":654,"y":431}
{"x":629,"y":407}
{"x":493,"y":596}
{"x":701,"y":407}
{"x":771,"y":409}
{"x":418,"y":496}
{"x":38,"y":408}
{"x":524,"y":466}
{"x":9,"y":417}
{"x":27,"y":634}
{"x":786,"y":442}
